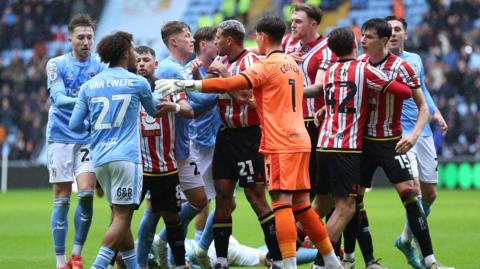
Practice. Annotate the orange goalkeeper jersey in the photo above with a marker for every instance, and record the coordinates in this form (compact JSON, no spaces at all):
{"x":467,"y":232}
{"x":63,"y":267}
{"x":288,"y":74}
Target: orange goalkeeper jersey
{"x":277,"y":84}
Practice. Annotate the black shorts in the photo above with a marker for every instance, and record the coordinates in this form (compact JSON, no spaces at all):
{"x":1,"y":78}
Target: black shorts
{"x":382,"y":154}
{"x":164,"y":192}
{"x":236,"y":156}
{"x":312,"y":166}
{"x":340,"y":173}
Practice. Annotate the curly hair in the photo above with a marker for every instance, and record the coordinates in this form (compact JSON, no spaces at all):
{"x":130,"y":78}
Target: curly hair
{"x":111,"y":48}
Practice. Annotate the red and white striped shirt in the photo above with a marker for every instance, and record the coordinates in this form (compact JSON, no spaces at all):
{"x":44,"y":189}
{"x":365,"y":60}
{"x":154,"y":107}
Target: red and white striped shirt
{"x":347,"y":85}
{"x":158,"y":141}
{"x":385,"y":108}
{"x":232,"y":114}
{"x":316,"y":55}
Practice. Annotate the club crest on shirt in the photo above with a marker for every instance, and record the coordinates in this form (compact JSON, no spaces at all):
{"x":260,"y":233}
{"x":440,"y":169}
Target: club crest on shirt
{"x":69,"y":75}
{"x":388,"y":73}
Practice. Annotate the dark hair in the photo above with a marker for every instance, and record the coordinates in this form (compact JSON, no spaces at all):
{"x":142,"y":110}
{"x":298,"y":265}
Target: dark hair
{"x":111,"y":48}
{"x":234,"y":29}
{"x":171,"y":28}
{"x":145,"y":49}
{"x":273,"y":26}
{"x":80,"y":20}
{"x":381,"y":26}
{"x":206,"y":33}
{"x":313,"y":12}
{"x":341,"y":41}
{"x":395,"y":18}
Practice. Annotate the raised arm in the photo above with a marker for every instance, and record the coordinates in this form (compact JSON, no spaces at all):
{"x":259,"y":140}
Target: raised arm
{"x":213,"y":85}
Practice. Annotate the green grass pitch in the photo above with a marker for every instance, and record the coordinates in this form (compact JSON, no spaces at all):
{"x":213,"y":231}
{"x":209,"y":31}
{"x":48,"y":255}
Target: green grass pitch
{"x":25,"y":240}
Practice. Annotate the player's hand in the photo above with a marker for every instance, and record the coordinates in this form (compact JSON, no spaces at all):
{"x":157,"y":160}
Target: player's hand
{"x":297,"y":56}
{"x":319,"y":116}
{"x":165,"y":107}
{"x":219,"y":68}
{"x":437,"y":116}
{"x":406,"y":143}
{"x":165,"y":87}
{"x":195,"y":65}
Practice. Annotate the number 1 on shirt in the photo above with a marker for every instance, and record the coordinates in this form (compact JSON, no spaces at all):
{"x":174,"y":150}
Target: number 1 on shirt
{"x":292,"y":83}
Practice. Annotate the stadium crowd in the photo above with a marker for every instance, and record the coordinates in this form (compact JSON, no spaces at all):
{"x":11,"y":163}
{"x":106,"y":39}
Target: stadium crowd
{"x":30,"y":31}
{"x":308,"y":121}
{"x":448,"y":40}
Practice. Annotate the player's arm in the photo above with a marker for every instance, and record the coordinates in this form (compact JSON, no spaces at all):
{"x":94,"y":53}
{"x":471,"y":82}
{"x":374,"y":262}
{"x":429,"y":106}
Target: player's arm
{"x":80,"y":112}
{"x":180,"y":107}
{"x":58,"y":96}
{"x":313,"y":90}
{"x":398,"y":89}
{"x":436,"y":114}
{"x":147,"y":100}
{"x":377,"y":80}
{"x":252,"y":77}
{"x":316,"y":89}
{"x":407,"y":142}
{"x":214,"y":85}
{"x":239,"y":97}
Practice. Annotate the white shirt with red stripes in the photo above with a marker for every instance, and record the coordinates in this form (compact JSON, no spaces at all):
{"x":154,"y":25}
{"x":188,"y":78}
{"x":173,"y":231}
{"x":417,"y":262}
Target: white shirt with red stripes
{"x":347,"y":84}
{"x":157,"y":141}
{"x":316,"y":55}
{"x":232,"y":114}
{"x":385,"y":108}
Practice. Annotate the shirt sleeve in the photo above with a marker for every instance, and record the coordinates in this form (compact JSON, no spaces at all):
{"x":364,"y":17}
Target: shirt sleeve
{"x":58,"y":96}
{"x":376,"y":79}
{"x":408,"y":75}
{"x":255,"y":75}
{"x":146,"y":98}
{"x":80,"y":111}
{"x":201,"y":102}
{"x":428,"y":98}
{"x":169,"y":71}
{"x":327,"y":60}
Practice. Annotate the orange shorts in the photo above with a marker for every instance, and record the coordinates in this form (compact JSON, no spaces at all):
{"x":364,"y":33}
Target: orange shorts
{"x":287,"y":171}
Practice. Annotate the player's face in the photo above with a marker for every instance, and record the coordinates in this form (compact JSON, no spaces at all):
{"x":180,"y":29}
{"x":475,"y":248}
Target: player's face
{"x":221,"y":42}
{"x":146,"y":64}
{"x":81,"y":40}
{"x":399,"y":35}
{"x":371,"y":42}
{"x":184,"y":41}
{"x":302,"y":25}
{"x":209,"y":49}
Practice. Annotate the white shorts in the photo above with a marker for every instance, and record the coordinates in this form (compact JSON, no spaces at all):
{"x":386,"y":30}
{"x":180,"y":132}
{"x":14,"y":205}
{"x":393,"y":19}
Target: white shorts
{"x":121,"y":181}
{"x":204,"y":156}
{"x":66,"y":161}
{"x":423,"y":159}
{"x":189,"y":174}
